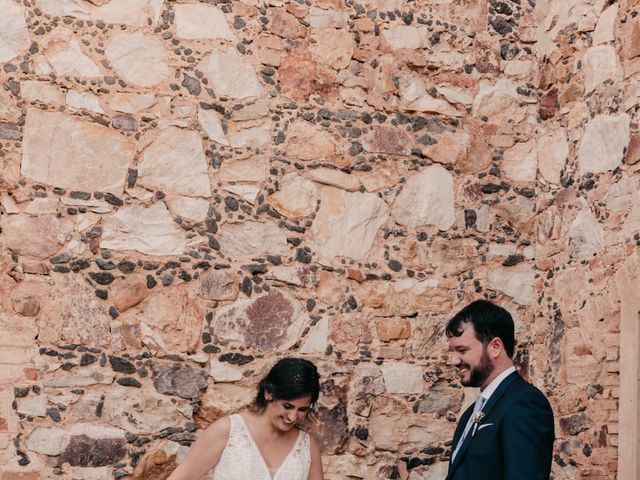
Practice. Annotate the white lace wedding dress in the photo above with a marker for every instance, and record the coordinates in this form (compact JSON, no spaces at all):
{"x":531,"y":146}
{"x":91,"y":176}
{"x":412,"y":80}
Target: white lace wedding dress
{"x":241,"y":459}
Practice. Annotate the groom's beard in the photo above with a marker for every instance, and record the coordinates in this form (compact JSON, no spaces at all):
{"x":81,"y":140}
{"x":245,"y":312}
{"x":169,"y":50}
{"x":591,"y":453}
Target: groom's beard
{"x":479,"y":374}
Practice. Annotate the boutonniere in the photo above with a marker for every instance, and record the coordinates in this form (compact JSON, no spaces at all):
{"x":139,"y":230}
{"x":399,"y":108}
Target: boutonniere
{"x":477,"y":420}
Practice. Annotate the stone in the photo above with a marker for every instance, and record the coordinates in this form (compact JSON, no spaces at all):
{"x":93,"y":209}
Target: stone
{"x":603,"y":143}
{"x":520,"y":162}
{"x":553,"y":151}
{"x":633,"y":150}
{"x":254,"y":110}
{"x":620,"y":195}
{"x":388,"y":423}
{"x":85,"y":451}
{"x":309,"y":142}
{"x":138,"y":58}
{"x":402,"y":377}
{"x":271,"y":322}
{"x":605,"y":31}
{"x":28,"y":306}
{"x":34,"y":90}
{"x":219,"y":285}
{"x":14,"y":36}
{"x":253,"y":169}
{"x":318,"y":339}
{"x":177,"y":379}
{"x":426,"y":199}
{"x":454,"y":95}
{"x":335,"y":178}
{"x":210,"y":122}
{"x":175,"y":163}
{"x":39,"y":237}
{"x":414,"y":96}
{"x":140,"y":411}
{"x":284,"y":24}
{"x":224,"y":399}
{"x":253,"y":239}
{"x":575,"y":423}
{"x":188,"y":208}
{"x":390,"y":140}
{"x":83,"y":100}
{"x":300,"y":275}
{"x":7,"y":106}
{"x":79,"y":380}
{"x":72,"y":313}
{"x":65,"y":55}
{"x":222,"y":372}
{"x":332,"y":47}
{"x":600,"y":64}
{"x":405,"y":37}
{"x":127,"y":12}
{"x":301,"y":75}
{"x":150,"y":231}
{"x":199,"y":21}
{"x":50,"y":441}
{"x":441,"y":400}
{"x":131,"y":102}
{"x":258,"y":136}
{"x":585,"y":235}
{"x":9,"y":131}
{"x":516,"y":282}
{"x":129,"y":294}
{"x":296,"y":197}
{"x":326,"y":18}
{"x":63,"y":151}
{"x":450,"y":149}
{"x":496,"y":100}
{"x":230,"y":75}
{"x":158,"y":462}
{"x":393,"y":329}
{"x":168,"y":322}
{"x":347,"y":223}
{"x":33,"y":406}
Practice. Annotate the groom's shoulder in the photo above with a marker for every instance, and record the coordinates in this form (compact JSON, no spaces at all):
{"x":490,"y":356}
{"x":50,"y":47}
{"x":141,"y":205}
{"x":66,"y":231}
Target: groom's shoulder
{"x":521,"y":389}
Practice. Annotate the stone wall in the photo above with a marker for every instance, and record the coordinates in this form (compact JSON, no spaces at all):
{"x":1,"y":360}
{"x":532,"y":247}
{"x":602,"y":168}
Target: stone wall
{"x":191,"y":189}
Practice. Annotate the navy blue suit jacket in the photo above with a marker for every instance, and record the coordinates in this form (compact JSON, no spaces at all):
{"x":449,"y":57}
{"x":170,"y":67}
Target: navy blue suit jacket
{"x":514,"y":441}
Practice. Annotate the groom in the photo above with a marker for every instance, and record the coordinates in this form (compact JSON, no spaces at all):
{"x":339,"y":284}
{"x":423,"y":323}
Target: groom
{"x":508,"y":433}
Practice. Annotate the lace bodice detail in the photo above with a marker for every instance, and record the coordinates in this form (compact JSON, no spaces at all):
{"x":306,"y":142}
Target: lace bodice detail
{"x":241,"y":459}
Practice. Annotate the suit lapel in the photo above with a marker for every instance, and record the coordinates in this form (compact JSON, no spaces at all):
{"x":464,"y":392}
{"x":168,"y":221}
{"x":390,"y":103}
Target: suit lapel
{"x":497,"y":394}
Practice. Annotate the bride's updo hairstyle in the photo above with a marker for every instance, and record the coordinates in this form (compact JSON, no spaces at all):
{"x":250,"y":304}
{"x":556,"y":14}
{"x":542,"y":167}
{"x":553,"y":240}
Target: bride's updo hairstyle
{"x":289,"y":379}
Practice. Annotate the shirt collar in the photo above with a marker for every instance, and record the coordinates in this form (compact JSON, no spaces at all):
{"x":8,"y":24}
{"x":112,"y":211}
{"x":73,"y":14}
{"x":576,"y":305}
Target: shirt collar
{"x":487,"y":392}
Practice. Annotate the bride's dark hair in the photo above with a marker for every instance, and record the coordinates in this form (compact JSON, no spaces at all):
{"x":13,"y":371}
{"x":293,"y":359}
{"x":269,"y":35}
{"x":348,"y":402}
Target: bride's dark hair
{"x":289,"y":379}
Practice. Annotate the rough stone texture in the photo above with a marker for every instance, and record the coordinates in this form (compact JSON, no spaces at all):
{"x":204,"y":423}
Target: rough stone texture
{"x":426,"y":199}
{"x":347,"y":223}
{"x":602,"y":146}
{"x":15,"y":36}
{"x":194,"y":21}
{"x":253,"y":238}
{"x":175,"y":154}
{"x":39,"y":237}
{"x":66,"y":57}
{"x":189,"y":190}
{"x":271,"y":322}
{"x":296,"y":197}
{"x":181,"y":380}
{"x":63,"y":151}
{"x":147,"y":230}
{"x":231,"y":76}
{"x":138,"y":58}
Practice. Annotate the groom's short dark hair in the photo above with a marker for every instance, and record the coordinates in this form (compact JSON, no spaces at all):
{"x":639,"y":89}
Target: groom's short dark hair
{"x":489,"y":321}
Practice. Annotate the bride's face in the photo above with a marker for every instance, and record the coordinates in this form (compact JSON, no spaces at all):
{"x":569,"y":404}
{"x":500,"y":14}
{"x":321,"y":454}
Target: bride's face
{"x":285,"y":414}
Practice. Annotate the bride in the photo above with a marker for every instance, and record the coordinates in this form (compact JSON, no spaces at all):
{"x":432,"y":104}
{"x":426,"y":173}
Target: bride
{"x":265,"y":442}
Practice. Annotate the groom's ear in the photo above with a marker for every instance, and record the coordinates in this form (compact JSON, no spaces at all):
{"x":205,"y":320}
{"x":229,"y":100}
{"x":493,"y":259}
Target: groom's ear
{"x":495,"y":347}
